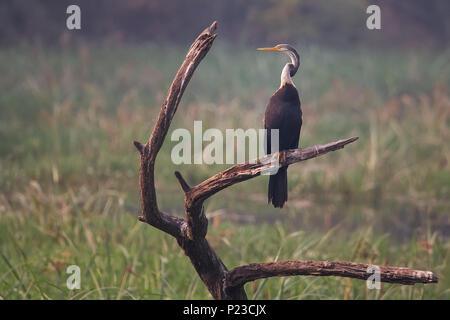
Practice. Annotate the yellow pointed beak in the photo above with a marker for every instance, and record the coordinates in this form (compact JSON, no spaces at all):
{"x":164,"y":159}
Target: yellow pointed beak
{"x":268,"y":49}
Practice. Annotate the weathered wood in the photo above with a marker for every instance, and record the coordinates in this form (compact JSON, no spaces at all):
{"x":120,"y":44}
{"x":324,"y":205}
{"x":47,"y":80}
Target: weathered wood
{"x":151,"y":214}
{"x":191,"y":233}
{"x":243,"y":274}
{"x":251,"y":169}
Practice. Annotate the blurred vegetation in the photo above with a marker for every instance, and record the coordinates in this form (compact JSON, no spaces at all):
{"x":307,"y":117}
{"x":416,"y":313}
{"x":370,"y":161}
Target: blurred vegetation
{"x":416,"y":23}
{"x":71,"y":104}
{"x":68,"y":169}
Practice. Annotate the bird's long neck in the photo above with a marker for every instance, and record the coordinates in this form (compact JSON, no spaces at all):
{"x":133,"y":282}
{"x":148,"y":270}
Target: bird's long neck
{"x":286,"y":75}
{"x":290,"y":69}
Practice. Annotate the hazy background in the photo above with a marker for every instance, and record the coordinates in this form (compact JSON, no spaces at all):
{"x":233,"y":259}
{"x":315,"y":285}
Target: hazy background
{"x":72,"y":102}
{"x":405,"y":23}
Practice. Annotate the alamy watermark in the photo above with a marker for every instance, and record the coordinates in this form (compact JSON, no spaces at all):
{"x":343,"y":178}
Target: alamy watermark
{"x":374,"y":280}
{"x":231,"y":148}
{"x":74,"y":280}
{"x":73,"y":21}
{"x":373,"y":22}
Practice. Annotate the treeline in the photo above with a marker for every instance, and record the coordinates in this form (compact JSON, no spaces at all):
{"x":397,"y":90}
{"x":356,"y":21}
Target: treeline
{"x":336,"y":23}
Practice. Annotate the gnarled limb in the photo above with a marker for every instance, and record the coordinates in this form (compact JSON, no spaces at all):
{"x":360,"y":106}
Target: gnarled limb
{"x":151,"y":214}
{"x":191,"y":233}
{"x":205,"y":261}
{"x":195,"y":196}
{"x":251,"y":169}
{"x":243,"y":274}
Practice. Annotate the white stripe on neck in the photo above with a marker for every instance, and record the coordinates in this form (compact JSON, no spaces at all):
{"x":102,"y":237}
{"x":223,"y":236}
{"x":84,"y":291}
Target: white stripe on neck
{"x":286,"y":76}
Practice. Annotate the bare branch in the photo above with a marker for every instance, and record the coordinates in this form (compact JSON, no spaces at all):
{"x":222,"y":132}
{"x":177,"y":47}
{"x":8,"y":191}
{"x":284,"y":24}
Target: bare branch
{"x":205,"y":261}
{"x":197,"y":222}
{"x":251,"y":169}
{"x":184,"y":185}
{"x":139,"y":146}
{"x":241,"y":275}
{"x":151,"y":214}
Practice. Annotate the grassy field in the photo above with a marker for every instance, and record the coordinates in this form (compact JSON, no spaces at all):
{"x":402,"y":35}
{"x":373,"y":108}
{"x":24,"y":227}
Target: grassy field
{"x":69,"y":187}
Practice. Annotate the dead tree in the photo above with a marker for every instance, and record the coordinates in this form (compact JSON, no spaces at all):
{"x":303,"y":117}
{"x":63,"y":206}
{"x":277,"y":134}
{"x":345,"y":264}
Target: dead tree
{"x":190,"y":232}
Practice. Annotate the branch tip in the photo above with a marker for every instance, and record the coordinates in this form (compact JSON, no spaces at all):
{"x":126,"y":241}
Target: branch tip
{"x":139,"y":146}
{"x":184,"y":185}
{"x":350,"y":140}
{"x":213,"y":27}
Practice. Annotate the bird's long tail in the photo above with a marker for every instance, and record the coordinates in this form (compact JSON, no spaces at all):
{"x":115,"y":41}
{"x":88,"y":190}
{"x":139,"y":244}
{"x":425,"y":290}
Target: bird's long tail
{"x":278,"y":191}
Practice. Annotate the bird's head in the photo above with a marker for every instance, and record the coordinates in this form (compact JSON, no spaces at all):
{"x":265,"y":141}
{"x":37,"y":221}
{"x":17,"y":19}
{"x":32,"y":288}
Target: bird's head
{"x":290,"y":51}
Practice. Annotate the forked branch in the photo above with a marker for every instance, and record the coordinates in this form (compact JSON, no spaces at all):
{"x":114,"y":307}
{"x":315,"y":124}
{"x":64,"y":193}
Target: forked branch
{"x":191,"y":233}
{"x":195,"y":196}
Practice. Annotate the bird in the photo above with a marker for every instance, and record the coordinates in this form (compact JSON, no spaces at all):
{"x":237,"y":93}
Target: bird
{"x":283,"y":112}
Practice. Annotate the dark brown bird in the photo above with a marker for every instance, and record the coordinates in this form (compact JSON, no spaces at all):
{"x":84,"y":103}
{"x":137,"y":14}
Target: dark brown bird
{"x":285,"y":114}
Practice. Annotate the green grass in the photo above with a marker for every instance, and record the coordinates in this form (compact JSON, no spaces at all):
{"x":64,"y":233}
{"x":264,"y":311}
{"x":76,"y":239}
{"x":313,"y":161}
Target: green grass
{"x":68,"y":170}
